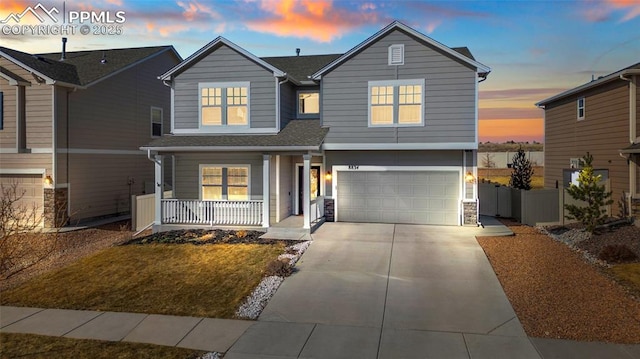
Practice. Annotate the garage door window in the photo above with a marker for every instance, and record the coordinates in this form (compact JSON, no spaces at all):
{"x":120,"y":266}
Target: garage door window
{"x":396,"y":103}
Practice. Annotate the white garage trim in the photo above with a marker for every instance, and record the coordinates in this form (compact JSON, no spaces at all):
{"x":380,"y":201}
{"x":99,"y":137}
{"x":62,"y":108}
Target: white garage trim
{"x":335,"y":170}
{"x":22,"y":171}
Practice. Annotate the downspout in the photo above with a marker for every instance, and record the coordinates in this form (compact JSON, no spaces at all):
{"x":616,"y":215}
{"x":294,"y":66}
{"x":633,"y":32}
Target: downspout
{"x":633,"y":85}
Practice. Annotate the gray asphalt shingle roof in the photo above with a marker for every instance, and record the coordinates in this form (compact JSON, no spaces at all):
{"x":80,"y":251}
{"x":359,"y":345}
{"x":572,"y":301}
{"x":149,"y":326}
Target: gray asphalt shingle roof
{"x":300,"y":67}
{"x":297,"y":134}
{"x":82,"y":67}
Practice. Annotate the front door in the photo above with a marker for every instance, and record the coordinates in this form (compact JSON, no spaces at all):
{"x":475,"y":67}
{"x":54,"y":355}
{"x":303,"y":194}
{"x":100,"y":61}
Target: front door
{"x":314,"y":183}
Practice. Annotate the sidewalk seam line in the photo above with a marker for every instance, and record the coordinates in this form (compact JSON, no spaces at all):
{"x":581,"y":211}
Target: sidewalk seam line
{"x":146,"y":315}
{"x":315,"y":325}
{"x":21,"y":319}
{"x":466,"y":345}
{"x":189,"y":331}
{"x":101,"y":313}
{"x":386,"y":292}
{"x":501,"y":324}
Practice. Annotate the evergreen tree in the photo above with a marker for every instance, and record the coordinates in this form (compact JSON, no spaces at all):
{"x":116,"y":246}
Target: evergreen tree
{"x":592,"y":193}
{"x":522,"y":171}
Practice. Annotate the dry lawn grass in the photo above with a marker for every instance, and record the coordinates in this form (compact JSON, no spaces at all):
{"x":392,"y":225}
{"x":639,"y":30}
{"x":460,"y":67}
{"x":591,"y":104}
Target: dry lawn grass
{"x":206,"y":280}
{"x":503,"y":175}
{"x":41,"y":347}
{"x":557,"y":294}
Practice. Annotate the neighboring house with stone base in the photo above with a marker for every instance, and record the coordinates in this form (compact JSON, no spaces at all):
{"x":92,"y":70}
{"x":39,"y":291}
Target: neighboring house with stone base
{"x":72,"y":123}
{"x":386,"y":132}
{"x":599,"y":117}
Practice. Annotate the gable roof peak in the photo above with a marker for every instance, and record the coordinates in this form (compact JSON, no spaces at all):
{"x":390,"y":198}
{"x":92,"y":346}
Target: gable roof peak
{"x":397,"y":25}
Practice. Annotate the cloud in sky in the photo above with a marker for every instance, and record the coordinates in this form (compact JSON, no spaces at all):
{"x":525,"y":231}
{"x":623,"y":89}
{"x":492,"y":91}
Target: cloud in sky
{"x":320,"y":20}
{"x":605,"y":10}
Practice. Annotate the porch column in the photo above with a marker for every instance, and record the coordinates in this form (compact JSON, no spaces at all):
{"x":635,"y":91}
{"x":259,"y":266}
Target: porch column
{"x":159,"y":186}
{"x":306,"y":195}
{"x":266,"y":193}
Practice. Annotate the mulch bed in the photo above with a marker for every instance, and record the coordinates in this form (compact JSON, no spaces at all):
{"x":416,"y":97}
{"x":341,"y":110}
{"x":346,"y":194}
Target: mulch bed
{"x":206,"y":236}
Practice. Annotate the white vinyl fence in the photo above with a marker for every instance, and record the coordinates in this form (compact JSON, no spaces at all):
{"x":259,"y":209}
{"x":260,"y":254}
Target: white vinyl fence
{"x":143,"y":210}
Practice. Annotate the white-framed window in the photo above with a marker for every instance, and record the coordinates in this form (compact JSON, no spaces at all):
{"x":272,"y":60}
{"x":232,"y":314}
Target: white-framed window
{"x":224,"y":104}
{"x":396,"y":54}
{"x":396,"y":103}
{"x":308,"y":103}
{"x":581,"y":108}
{"x":225,"y":182}
{"x":156,"y":121}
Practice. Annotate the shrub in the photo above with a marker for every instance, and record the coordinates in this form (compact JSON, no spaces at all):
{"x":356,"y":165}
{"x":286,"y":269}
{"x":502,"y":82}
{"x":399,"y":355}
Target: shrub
{"x":241,"y":233}
{"x":522,"y":171}
{"x":617,"y":253}
{"x":280,"y":268}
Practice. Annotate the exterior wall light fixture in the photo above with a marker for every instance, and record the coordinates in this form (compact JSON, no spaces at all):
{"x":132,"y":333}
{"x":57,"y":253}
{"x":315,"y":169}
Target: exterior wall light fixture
{"x":48,"y":180}
{"x":327,"y":176}
{"x":469,"y":177}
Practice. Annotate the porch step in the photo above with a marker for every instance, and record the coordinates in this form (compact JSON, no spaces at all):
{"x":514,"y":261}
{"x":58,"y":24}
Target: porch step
{"x":296,"y":234}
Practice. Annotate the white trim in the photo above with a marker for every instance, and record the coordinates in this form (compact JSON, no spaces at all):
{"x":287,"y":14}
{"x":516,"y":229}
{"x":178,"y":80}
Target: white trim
{"x":223,"y":106}
{"x":266,"y":190}
{"x":401,"y":146}
{"x":475,"y":110}
{"x":224,"y":165}
{"x":31,"y":70}
{"x":40,"y":150}
{"x":230,"y":148}
{"x":90,"y":151}
{"x":393,"y":26}
{"x":173,"y":107}
{"x":151,"y":109}
{"x":296,"y":185}
{"x":221,"y":40}
{"x":235,"y":130}
{"x":396,"y":101}
{"x":9,"y":150}
{"x":22,"y":171}
{"x":391,"y":49}
{"x":54,"y":133}
{"x":336,"y":169}
{"x":277,"y":188}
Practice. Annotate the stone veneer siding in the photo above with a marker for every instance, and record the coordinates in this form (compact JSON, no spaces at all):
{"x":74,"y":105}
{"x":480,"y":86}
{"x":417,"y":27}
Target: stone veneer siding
{"x":470,"y":213}
{"x":329,"y":210}
{"x":55,"y":207}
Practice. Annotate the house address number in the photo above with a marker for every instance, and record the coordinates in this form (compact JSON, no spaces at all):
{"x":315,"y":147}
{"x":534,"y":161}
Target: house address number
{"x":353,"y":167}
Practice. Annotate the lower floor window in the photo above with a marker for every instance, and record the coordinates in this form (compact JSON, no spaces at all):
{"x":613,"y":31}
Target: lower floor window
{"x":224,"y":183}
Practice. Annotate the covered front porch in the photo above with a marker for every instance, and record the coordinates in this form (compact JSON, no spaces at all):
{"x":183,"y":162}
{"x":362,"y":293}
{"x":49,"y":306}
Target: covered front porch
{"x":288,"y":200}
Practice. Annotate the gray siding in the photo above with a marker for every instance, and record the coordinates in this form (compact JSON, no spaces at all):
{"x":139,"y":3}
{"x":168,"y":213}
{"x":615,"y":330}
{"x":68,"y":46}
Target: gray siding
{"x":288,"y":101}
{"x":225,"y":65}
{"x":449,"y":101}
{"x":392,"y":158}
{"x":99,"y":184}
{"x":188,"y":167}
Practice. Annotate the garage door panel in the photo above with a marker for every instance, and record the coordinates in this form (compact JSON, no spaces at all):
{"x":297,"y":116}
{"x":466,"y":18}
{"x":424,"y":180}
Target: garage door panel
{"x":27,"y":186}
{"x":421,"y":197}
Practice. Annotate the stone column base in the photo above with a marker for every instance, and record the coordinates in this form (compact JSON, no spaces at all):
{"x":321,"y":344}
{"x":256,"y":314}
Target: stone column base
{"x":470,"y":213}
{"x":328,"y":210}
{"x":55,"y":207}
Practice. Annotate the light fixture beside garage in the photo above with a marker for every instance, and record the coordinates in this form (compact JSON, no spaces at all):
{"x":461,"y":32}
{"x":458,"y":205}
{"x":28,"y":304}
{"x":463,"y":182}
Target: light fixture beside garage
{"x":327,"y":176}
{"x":48,"y":180}
{"x":469,"y":177}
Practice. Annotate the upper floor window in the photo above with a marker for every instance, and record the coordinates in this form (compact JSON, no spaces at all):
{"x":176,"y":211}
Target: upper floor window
{"x":308,"y":103}
{"x":396,"y":103}
{"x":224,"y":104}
{"x":156,"y":122}
{"x":219,"y":182}
{"x":581,"y":108}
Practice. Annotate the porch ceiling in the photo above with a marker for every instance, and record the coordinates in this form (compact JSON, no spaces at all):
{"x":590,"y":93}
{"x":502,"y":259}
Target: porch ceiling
{"x":304,"y":135}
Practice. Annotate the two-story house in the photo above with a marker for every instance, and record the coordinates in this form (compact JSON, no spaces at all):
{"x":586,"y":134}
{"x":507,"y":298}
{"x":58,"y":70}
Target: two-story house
{"x":599,"y":117}
{"x":72,"y":123}
{"x":386,"y":132}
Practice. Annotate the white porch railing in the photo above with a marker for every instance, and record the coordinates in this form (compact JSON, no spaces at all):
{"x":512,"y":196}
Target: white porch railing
{"x":317,"y":209}
{"x":178,"y":211}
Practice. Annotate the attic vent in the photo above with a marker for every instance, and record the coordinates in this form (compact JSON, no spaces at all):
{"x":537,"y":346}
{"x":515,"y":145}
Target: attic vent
{"x":396,"y":54}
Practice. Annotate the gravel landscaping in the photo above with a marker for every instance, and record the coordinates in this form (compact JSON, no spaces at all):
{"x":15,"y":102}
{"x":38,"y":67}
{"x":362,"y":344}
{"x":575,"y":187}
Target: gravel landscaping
{"x":555,"y":292}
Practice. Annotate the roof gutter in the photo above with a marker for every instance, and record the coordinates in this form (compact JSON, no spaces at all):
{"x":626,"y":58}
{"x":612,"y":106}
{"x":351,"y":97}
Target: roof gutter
{"x":230,"y":148}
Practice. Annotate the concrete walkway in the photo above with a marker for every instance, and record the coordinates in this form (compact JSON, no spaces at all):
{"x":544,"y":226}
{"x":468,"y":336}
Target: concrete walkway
{"x":361,"y":291}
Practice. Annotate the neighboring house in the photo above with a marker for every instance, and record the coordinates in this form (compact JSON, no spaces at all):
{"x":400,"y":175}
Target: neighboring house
{"x":599,"y":117}
{"x":386,"y":132}
{"x":72,"y":123}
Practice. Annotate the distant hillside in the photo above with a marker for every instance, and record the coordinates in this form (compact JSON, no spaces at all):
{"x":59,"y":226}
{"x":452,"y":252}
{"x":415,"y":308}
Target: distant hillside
{"x":509,"y":147}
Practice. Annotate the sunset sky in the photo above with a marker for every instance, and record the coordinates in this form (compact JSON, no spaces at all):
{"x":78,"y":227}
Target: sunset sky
{"x":535,"y":48}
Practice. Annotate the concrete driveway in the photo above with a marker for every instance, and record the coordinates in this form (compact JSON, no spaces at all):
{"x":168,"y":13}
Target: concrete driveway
{"x":389,"y":291}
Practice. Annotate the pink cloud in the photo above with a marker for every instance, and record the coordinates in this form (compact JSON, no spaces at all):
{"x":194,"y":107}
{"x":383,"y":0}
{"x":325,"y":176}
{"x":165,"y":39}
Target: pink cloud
{"x":317,"y":20}
{"x":195,"y":10}
{"x":605,"y":10}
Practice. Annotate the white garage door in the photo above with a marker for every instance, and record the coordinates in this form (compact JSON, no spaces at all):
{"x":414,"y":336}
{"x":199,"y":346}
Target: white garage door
{"x":417,"y":197}
{"x":29,"y":186}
